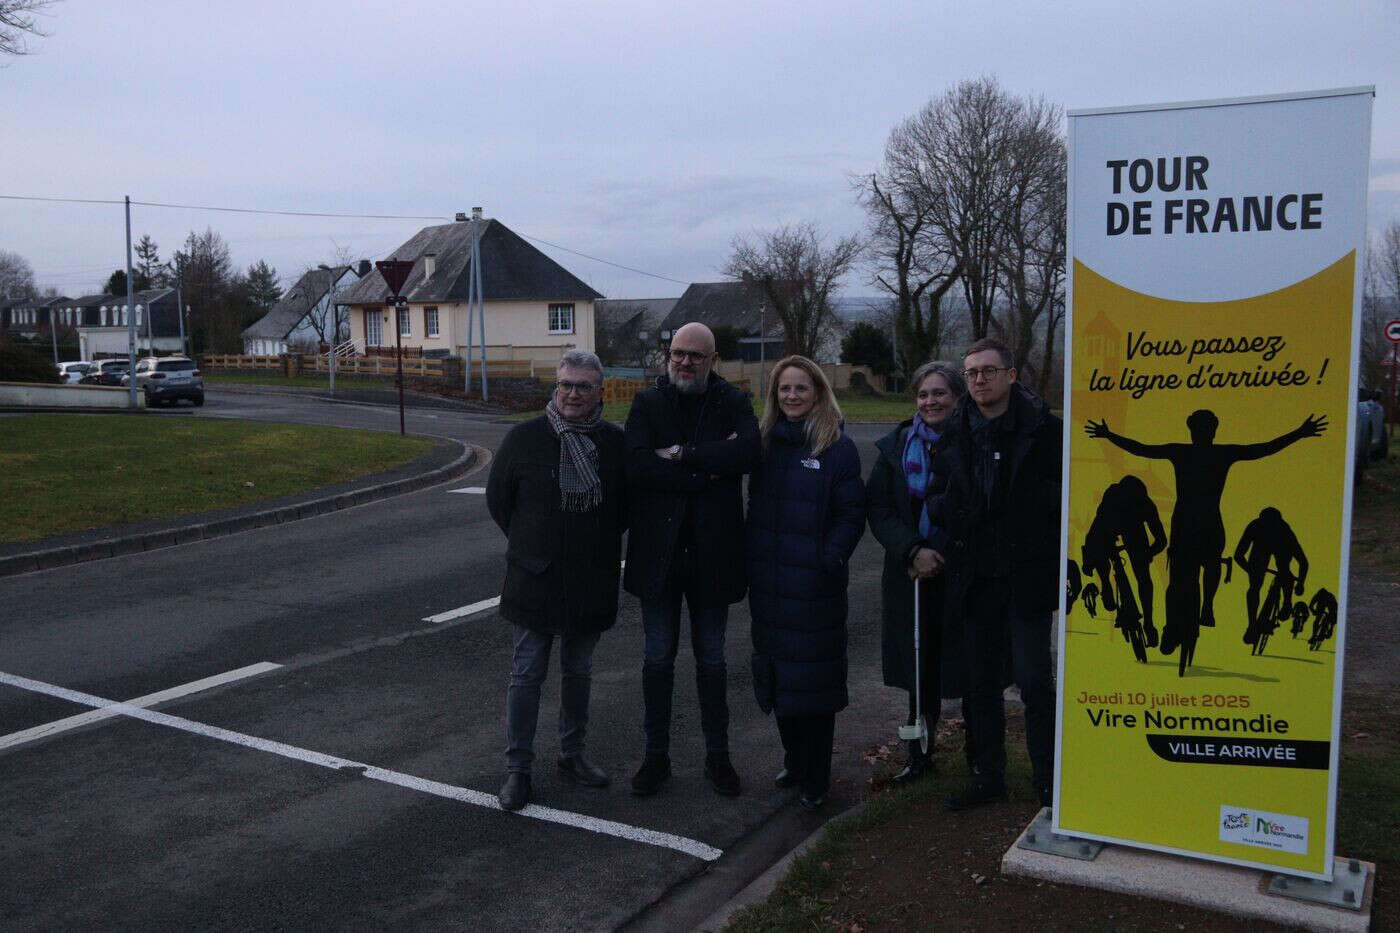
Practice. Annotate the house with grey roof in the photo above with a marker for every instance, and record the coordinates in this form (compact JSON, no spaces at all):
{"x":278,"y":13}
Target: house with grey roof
{"x":740,"y":306}
{"x":627,"y":331}
{"x":102,"y":322}
{"x":534,"y":307}
{"x":309,"y":313}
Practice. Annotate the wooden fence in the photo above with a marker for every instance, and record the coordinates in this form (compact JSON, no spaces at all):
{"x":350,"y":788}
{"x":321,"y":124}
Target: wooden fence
{"x":375,"y":365}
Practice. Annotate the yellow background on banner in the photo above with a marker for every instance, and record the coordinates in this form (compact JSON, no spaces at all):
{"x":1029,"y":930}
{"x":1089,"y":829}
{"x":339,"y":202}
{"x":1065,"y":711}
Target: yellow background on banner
{"x":1111,"y":783}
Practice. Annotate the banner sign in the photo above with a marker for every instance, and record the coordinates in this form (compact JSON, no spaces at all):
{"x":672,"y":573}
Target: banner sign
{"x":1211,"y":372}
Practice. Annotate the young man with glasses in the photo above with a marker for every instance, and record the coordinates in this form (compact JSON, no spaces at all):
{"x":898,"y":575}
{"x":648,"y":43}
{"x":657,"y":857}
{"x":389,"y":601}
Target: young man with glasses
{"x":690,"y":440}
{"x":1001,"y":453}
{"x":558,"y":489}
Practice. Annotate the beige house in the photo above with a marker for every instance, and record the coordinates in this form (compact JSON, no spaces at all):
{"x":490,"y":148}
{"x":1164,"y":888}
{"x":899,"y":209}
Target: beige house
{"x":535,"y":308}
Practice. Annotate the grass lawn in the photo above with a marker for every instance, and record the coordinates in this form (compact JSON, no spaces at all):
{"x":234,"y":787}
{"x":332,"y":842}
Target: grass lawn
{"x":67,"y":473}
{"x":305,"y":380}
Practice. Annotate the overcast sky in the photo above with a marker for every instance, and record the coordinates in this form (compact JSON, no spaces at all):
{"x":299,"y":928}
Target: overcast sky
{"x":647,"y":134}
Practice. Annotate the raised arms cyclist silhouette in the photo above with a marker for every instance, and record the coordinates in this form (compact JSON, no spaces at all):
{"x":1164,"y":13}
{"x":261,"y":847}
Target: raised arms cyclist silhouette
{"x":1268,"y":536}
{"x":1197,"y":530}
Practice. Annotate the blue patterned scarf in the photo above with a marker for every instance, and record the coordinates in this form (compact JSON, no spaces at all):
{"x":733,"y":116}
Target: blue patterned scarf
{"x":918,"y":470}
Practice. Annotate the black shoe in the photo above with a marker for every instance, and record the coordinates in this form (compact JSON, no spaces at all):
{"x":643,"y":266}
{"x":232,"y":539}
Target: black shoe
{"x":920,"y":763}
{"x":1047,"y":795}
{"x":811,"y":804}
{"x":722,"y":774}
{"x":651,"y":775}
{"x":515,"y":792}
{"x":580,"y":771}
{"x":977,"y":795}
{"x":787,"y":778}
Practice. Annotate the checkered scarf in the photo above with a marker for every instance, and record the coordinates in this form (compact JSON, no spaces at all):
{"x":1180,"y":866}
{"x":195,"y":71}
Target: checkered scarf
{"x":580,"y":489}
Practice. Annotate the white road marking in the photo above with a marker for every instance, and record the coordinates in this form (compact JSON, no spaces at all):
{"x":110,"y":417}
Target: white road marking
{"x":151,"y":699}
{"x":651,"y":837}
{"x":471,"y":490}
{"x":460,"y":611}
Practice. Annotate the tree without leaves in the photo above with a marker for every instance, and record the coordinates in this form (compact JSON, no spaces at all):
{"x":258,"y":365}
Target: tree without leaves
{"x":797,"y":272}
{"x":206,"y":277}
{"x":16,"y":22}
{"x":910,"y":263}
{"x":1382,"y":276}
{"x":16,"y":275}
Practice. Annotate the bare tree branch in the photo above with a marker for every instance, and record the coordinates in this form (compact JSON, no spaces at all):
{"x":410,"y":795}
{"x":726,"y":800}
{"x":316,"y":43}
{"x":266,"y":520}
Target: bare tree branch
{"x":17,"y":22}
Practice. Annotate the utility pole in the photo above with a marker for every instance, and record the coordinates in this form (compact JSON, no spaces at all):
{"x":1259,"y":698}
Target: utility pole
{"x":130,"y":316}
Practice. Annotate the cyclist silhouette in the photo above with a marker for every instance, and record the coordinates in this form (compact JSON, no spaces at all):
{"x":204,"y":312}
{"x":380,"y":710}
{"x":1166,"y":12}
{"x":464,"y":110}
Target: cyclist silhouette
{"x":1125,"y":512}
{"x":1197,"y":530}
{"x":1324,"y":613}
{"x":1268,"y":536}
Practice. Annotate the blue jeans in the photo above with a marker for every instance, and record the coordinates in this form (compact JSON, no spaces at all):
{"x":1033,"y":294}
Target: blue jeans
{"x":995,"y":633}
{"x":661,"y":620}
{"x":528,"y":669}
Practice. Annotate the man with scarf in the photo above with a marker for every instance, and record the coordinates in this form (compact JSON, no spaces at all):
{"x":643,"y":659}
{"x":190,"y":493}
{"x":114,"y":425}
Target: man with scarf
{"x":558,"y":490}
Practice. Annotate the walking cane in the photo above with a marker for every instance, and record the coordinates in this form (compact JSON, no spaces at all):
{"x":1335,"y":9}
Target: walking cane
{"x":918,"y":732}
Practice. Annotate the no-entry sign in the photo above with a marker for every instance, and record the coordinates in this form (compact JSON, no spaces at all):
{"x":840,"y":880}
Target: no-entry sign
{"x":1392,"y":331}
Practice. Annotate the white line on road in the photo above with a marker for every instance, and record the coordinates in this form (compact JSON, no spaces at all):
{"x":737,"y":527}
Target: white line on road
{"x":464,"y":794}
{"x":151,"y":699}
{"x":467,"y":610}
{"x":471,"y":490}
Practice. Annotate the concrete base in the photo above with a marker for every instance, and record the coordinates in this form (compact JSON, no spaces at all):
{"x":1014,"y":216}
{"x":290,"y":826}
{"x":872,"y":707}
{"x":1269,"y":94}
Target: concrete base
{"x":36,"y":395}
{"x":1228,"y":889}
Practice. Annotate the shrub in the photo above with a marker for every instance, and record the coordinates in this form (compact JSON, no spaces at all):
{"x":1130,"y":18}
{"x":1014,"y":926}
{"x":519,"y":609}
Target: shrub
{"x":20,"y":362}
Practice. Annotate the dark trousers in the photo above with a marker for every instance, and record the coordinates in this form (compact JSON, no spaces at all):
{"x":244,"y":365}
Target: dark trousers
{"x":528,"y":669}
{"x":661,"y":621}
{"x":807,"y":750}
{"x":993,"y":631}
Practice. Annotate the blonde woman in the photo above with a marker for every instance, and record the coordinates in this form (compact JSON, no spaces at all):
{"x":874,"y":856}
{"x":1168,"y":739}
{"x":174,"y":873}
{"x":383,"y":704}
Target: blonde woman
{"x":806,"y":515}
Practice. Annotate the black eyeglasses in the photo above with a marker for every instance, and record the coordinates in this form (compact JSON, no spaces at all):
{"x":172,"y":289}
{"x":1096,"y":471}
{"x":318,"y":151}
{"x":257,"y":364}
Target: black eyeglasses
{"x":688,"y":356}
{"x":582,"y":388}
{"x":986,"y":372}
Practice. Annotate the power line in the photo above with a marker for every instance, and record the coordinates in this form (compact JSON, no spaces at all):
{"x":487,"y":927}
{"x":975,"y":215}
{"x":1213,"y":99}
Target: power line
{"x":279,"y":213}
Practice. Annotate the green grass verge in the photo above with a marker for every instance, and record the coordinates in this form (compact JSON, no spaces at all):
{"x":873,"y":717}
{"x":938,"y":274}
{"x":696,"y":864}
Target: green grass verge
{"x":305,"y":380}
{"x":67,"y":473}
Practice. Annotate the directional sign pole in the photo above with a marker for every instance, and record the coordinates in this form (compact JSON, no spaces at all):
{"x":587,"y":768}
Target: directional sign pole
{"x":1392,"y":333}
{"x":395,"y":273}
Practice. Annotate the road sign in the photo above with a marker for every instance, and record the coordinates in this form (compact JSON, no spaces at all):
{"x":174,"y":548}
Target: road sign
{"x":1392,"y":331}
{"x":395,"y":272}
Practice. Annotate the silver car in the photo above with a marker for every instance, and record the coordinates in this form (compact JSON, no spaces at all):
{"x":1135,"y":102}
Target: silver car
{"x":168,"y":379}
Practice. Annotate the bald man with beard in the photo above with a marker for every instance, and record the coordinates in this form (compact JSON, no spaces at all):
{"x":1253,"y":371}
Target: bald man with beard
{"x":690,"y":440}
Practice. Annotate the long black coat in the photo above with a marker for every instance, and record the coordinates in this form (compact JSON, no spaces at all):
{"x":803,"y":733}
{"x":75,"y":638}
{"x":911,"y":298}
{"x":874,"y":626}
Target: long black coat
{"x":708,"y":478}
{"x":895,"y":524}
{"x":1031,"y":445}
{"x":806,"y":516}
{"x":562,"y":567}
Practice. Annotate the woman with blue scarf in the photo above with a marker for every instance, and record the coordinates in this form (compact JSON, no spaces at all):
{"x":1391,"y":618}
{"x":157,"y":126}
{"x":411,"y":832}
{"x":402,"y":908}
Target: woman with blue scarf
{"x":901,"y":484}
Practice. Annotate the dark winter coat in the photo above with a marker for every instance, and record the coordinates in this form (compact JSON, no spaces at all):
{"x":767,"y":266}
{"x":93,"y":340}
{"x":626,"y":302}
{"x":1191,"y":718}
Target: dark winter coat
{"x":1029,"y":440}
{"x":806,"y":516}
{"x":562,"y":567}
{"x":895,"y":524}
{"x":707,"y":480}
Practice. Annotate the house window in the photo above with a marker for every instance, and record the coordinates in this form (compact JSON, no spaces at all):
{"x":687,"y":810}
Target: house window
{"x":561,"y":319}
{"x":374,"y":327}
{"x":405,"y":323}
{"x":430,"y":322}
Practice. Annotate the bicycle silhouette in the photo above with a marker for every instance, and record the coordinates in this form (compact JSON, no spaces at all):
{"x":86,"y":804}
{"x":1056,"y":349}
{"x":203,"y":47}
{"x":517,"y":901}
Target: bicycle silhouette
{"x":1324,"y":615}
{"x":1129,"y":618}
{"x":1278,"y":605}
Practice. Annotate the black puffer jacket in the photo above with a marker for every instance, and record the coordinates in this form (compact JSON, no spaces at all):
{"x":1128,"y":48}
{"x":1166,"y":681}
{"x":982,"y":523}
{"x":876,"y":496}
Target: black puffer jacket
{"x":806,"y":516}
{"x":1023,"y":513}
{"x":561,"y":567}
{"x":708,"y":479}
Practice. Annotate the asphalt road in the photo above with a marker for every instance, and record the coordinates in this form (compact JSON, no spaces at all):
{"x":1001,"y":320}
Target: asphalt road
{"x":222,"y":809}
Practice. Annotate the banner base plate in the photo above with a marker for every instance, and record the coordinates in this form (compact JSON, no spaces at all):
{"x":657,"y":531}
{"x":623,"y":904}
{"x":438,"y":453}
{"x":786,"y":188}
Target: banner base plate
{"x":1041,"y":837}
{"x":1346,"y":889}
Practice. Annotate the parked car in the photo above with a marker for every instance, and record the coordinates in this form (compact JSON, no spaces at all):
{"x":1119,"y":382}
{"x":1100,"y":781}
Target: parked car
{"x":106,"y":372}
{"x":168,"y":379}
{"x":74,"y":371}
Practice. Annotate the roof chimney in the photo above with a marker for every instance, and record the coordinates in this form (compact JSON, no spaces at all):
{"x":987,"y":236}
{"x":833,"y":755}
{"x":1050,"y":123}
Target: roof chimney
{"x":363,"y":268}
{"x":461,"y":217}
{"x":429,"y":265}
{"x":476,"y":213}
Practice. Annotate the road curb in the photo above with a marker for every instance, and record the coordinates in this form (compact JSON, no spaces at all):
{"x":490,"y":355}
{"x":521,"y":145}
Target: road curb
{"x":195,"y":530}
